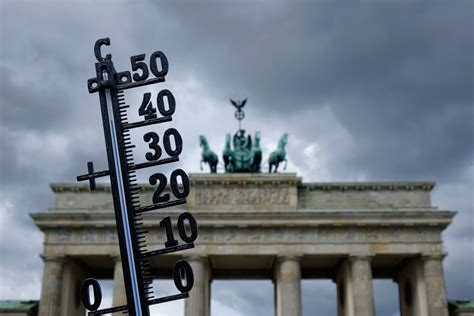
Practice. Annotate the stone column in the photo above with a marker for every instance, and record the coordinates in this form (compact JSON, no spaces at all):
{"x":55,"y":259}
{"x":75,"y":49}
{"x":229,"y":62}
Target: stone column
{"x":288,"y":286}
{"x":119,"y":296}
{"x":345,"y":304}
{"x":412,"y":290}
{"x":434,"y":282}
{"x":363,"y":290}
{"x":50,"y":301}
{"x":73,"y":277}
{"x":355,"y":294}
{"x":198,"y":303}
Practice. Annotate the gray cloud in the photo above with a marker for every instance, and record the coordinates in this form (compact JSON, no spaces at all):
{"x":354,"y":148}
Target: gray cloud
{"x":367,"y":91}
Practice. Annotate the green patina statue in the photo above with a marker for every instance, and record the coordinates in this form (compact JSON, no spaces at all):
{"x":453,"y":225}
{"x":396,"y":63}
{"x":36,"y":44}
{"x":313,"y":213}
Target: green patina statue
{"x":278,"y":155}
{"x":208,"y":156}
{"x":243,"y":157}
{"x":241,"y":152}
{"x":256,"y":154}
{"x":227,"y":153}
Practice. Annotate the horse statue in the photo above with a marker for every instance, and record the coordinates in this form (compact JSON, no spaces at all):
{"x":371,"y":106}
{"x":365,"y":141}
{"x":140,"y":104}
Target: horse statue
{"x":256,"y":154}
{"x":227,"y":155}
{"x":278,"y":155}
{"x":208,"y":156}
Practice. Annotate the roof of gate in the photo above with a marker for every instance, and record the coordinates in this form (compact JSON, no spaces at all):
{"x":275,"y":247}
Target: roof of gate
{"x":461,"y":305}
{"x":18,"y":306}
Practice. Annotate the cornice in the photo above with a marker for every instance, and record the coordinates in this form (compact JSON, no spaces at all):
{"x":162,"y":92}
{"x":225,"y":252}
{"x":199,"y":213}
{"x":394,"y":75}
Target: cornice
{"x":369,"y":186}
{"x":243,"y":179}
{"x":442,"y":219}
{"x":76,"y":187}
{"x":267,"y":179}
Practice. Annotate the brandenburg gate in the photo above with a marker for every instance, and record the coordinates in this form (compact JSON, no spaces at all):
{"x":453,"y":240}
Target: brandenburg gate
{"x":262,"y":226}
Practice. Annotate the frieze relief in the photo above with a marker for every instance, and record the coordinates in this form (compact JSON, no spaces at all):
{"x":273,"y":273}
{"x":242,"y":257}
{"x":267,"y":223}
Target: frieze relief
{"x":111,"y":237}
{"x":270,"y":235}
{"x":109,"y":205}
{"x":294,"y":235}
{"x":242,"y":196}
{"x":90,"y":236}
{"x":64,"y":237}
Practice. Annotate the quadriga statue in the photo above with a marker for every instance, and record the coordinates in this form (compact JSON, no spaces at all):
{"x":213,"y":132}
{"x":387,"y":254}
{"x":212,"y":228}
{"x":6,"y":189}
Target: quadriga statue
{"x":227,"y":155}
{"x":207,"y":155}
{"x":256,"y":154}
{"x":278,"y":155}
{"x":242,"y":153}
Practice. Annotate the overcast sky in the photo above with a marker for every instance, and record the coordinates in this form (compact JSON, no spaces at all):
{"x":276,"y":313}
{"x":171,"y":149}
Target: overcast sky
{"x":369,"y":90}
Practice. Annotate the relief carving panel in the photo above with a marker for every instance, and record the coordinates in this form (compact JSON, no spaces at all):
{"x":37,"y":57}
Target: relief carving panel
{"x":296,"y":235}
{"x":242,"y":196}
{"x":268,"y":235}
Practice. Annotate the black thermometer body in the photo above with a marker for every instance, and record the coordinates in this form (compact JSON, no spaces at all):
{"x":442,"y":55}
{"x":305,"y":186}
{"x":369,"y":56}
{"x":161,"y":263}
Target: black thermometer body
{"x":128,"y":211}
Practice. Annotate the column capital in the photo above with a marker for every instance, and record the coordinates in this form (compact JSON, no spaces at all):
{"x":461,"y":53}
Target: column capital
{"x":435,"y":256}
{"x":53,"y":258}
{"x":361,"y":256}
{"x":292,"y":257}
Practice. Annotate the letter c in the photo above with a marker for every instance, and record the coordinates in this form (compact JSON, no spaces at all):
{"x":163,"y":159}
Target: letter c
{"x":98,"y":45}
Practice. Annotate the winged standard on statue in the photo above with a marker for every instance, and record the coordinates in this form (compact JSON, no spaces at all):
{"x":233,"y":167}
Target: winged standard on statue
{"x":241,"y":152}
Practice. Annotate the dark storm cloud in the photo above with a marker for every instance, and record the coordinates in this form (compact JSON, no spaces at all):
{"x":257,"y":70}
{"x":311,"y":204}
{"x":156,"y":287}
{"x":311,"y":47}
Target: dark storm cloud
{"x":395,"y":74}
{"x":377,"y":91}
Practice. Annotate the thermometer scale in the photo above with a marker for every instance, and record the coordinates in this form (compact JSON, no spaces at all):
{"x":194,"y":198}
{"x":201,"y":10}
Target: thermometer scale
{"x":110,"y":86}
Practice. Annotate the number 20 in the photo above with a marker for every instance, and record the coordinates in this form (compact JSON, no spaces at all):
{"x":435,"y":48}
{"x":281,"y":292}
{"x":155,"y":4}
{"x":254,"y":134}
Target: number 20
{"x":161,"y":180}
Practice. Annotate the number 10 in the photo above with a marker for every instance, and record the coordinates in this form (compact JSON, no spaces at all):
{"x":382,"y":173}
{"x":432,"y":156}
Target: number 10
{"x":166,"y":224}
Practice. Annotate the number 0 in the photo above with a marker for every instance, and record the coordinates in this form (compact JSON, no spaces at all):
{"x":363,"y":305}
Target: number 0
{"x":154,"y":66}
{"x":86,"y":297}
{"x":161,"y":103}
{"x":178,"y":142}
{"x":192,"y":225}
{"x":174,"y":183}
{"x":182,"y":270}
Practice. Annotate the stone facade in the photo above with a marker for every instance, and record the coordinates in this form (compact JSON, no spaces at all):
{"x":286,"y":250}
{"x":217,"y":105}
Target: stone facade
{"x":271,"y":226}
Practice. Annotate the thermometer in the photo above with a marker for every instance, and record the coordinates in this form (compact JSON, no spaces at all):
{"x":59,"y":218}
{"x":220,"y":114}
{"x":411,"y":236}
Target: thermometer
{"x":110,"y":86}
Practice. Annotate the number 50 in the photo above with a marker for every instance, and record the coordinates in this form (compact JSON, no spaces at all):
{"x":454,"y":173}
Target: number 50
{"x":137,"y":63}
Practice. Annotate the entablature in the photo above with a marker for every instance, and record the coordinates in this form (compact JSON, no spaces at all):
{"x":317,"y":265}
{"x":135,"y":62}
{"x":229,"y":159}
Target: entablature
{"x":302,"y":218}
